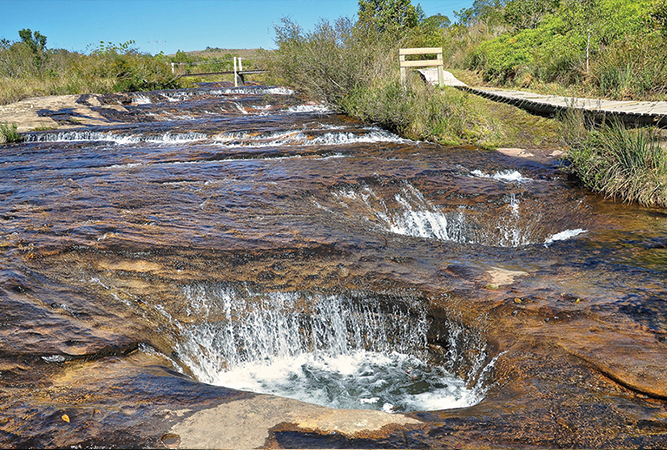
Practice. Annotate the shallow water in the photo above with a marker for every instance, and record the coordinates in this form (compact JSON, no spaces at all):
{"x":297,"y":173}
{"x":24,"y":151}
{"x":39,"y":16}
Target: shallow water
{"x":185,"y":223}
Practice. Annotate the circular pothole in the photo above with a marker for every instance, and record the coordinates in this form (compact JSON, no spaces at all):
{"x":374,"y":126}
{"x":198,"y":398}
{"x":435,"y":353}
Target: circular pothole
{"x":342,"y":351}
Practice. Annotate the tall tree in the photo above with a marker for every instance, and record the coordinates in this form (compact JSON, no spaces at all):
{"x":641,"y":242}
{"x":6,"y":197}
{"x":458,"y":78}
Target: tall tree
{"x":528,"y":13}
{"x":389,"y":16}
{"x":35,"y":41}
{"x":488,"y":12}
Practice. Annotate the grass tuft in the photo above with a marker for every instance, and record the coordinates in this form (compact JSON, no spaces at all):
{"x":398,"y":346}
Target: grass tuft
{"x":619,"y":162}
{"x":8,"y":133}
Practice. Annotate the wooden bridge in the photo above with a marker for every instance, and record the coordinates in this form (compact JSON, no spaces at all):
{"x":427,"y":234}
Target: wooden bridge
{"x":636,"y":112}
{"x":238,"y":72}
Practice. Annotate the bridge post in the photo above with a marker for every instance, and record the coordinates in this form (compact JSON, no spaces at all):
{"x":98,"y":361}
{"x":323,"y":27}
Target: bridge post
{"x":438,"y":62}
{"x":238,"y":76}
{"x":404,"y":74}
{"x":441,"y":70}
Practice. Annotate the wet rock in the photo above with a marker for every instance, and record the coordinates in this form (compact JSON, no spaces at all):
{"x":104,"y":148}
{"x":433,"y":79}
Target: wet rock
{"x":107,"y":227}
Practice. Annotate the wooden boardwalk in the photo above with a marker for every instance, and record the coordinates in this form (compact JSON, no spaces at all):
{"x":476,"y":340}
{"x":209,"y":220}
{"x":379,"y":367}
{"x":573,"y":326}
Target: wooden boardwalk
{"x":642,"y":113}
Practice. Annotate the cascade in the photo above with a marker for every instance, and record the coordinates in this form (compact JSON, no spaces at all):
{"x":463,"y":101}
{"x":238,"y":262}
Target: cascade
{"x":354,"y":352}
{"x":409,"y":213}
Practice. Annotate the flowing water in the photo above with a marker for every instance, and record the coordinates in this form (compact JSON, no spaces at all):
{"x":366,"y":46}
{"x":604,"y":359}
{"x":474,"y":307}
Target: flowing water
{"x":289,"y":247}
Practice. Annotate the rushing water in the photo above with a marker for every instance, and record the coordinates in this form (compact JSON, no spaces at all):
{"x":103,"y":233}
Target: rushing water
{"x":329,"y":350}
{"x":286,"y":242}
{"x":229,"y":159}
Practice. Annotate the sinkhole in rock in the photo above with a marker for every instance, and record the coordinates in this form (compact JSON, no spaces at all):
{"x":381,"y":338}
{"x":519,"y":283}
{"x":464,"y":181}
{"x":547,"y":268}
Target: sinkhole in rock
{"x":512,"y":222}
{"x":342,"y":351}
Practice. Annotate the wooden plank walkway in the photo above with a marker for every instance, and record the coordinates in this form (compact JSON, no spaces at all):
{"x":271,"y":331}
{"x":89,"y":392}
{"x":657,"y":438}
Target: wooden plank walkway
{"x":637,"y":112}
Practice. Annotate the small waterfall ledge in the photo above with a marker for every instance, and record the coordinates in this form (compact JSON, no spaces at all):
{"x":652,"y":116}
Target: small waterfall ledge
{"x":350,"y":351}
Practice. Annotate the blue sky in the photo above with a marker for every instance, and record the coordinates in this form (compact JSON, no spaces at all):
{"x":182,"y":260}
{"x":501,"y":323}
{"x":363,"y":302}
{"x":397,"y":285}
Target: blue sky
{"x":171,"y":25}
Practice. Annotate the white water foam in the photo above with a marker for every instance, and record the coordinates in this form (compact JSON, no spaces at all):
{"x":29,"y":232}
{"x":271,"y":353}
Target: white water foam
{"x":284,"y":138}
{"x":169,"y":138}
{"x":327,"y":350}
{"x":99,"y":136}
{"x":300,"y":109}
{"x":240,"y":108}
{"x":250,"y":91}
{"x":141,"y":100}
{"x":83,"y":136}
{"x":509,"y":176}
{"x":414,"y":216}
{"x":408,"y":213}
{"x":563,"y":236}
{"x":358,"y":380}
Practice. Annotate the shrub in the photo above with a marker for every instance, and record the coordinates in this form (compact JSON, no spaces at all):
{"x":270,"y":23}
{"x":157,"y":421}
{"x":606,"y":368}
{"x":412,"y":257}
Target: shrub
{"x":8,"y":133}
{"x":333,"y":60}
{"x":619,"y":162}
{"x":634,"y":67}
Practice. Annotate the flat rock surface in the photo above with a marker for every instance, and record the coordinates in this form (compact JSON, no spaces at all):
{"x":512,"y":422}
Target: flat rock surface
{"x":38,"y":112}
{"x":120,"y":243}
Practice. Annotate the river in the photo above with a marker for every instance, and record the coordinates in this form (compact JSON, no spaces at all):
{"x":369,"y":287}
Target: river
{"x":221,"y":242}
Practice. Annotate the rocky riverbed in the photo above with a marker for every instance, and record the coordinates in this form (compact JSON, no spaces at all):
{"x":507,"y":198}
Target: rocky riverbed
{"x":146,"y":237}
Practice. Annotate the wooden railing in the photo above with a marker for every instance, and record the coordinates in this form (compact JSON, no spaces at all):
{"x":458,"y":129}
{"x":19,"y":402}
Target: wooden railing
{"x":438,"y":62}
{"x":238,"y":72}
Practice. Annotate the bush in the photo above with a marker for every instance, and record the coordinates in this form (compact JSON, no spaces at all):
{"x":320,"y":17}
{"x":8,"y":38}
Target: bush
{"x":630,"y":164}
{"x":608,"y":48}
{"x":332,"y":61}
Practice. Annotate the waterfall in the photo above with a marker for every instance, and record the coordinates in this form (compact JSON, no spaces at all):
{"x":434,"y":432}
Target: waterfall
{"x":334,"y":350}
{"x":409,"y":213}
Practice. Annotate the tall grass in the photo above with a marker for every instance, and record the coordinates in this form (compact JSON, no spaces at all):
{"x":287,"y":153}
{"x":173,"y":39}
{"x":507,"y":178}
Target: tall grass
{"x":27,"y":72}
{"x":619,"y":162}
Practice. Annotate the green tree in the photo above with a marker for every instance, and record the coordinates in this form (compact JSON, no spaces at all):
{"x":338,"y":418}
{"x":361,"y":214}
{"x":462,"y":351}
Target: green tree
{"x":431,"y":32}
{"x":389,"y":16}
{"x":488,"y":12}
{"x":437,"y":21}
{"x":35,"y":41}
{"x":523,"y":14}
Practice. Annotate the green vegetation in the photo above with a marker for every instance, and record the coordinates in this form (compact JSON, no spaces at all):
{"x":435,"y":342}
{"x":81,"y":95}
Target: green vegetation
{"x":9,"y":134}
{"x":28,"y":68}
{"x":630,"y":164}
{"x":353,"y":66}
{"x":603,"y":48}
{"x":597,"y":48}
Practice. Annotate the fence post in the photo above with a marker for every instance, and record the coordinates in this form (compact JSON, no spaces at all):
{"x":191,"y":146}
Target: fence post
{"x":401,"y":58}
{"x":236,"y":79}
{"x":441,"y":74}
